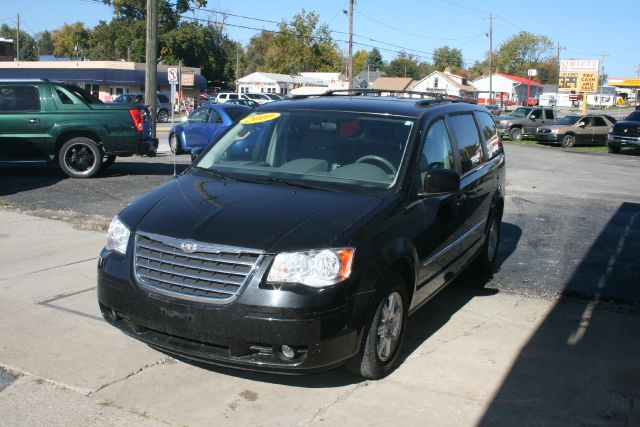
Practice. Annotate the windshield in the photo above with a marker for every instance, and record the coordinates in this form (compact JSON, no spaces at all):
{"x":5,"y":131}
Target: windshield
{"x":568,"y":120}
{"x":634,"y":117}
{"x":520,"y":112}
{"x":312,"y":146}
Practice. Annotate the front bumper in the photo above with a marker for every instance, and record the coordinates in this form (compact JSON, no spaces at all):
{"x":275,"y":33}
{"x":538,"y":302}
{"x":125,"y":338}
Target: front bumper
{"x":239,"y":334}
{"x":624,"y":140}
{"x":549,"y":137}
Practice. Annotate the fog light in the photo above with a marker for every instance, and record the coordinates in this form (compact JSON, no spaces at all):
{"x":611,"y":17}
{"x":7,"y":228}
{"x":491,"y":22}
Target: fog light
{"x":288,"y":352}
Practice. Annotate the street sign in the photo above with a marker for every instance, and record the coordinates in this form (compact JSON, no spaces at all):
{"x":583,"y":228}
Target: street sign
{"x":172,"y":75}
{"x":532,"y":73}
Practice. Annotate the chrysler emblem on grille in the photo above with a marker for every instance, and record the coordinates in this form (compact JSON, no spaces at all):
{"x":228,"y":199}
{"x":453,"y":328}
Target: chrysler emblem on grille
{"x":188,"y":247}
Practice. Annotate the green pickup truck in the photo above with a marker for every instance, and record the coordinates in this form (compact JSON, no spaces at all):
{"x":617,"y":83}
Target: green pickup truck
{"x":43,"y":122}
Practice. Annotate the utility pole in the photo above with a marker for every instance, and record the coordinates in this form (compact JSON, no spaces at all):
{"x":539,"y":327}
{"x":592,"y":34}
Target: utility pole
{"x":555,"y":103}
{"x":151,"y":66}
{"x":237,"y":66}
{"x":18,"y":39}
{"x":601,"y":79}
{"x":491,"y":18}
{"x":350,"y":65}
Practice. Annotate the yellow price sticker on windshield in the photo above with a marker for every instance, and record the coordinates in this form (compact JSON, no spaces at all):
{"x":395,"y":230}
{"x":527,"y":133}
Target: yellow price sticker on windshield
{"x":259,"y":118}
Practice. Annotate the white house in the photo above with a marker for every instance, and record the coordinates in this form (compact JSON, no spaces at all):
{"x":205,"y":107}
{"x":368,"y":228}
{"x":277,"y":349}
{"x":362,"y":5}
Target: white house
{"x":506,"y":88}
{"x":282,"y":84}
{"x":445,"y":82}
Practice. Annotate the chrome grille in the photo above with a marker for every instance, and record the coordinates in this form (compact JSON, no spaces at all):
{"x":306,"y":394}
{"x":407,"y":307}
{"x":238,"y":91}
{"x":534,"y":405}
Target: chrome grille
{"x":211,"y":273}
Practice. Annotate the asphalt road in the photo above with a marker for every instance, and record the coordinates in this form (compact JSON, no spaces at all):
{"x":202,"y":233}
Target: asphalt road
{"x":571,"y":223}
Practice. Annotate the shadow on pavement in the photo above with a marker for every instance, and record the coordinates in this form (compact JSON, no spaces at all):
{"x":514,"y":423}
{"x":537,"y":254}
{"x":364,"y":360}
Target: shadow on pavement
{"x":581,"y":366}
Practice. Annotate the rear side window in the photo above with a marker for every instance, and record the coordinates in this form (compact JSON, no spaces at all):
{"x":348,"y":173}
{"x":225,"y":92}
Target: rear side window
{"x":490,"y":137}
{"x":236,"y":113}
{"x":19,"y":98}
{"x":548,"y":114}
{"x":466,"y":133}
{"x":599,"y":121}
{"x":163,"y":98}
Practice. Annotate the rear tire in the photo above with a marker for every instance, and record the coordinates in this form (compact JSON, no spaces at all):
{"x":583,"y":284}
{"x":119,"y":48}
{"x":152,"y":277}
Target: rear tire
{"x":382,"y":343}
{"x":80,"y":157}
{"x":163,"y":116}
{"x":568,"y":141}
{"x":485,"y":263}
{"x":515,"y":134}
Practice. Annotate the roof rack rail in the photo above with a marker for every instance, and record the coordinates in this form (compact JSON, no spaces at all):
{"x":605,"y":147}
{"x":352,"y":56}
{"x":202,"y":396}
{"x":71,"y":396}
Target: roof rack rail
{"x":25,"y":80}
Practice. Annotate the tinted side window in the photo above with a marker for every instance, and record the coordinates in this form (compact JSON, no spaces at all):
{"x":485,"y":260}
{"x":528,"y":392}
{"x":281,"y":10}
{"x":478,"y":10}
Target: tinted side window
{"x":236,"y":113}
{"x":466,"y":133}
{"x":490,"y":136}
{"x":536,"y":114}
{"x":214,"y":117}
{"x":548,"y":114}
{"x":436,"y":151}
{"x":19,"y":98}
{"x":199,"y":115}
{"x":163,"y":98}
{"x":599,"y":121}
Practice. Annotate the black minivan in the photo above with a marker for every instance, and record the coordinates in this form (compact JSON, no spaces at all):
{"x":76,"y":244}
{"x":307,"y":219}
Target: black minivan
{"x":307,"y":248}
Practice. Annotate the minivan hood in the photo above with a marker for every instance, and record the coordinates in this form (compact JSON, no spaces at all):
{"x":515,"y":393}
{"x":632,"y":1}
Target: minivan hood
{"x":269,"y":217}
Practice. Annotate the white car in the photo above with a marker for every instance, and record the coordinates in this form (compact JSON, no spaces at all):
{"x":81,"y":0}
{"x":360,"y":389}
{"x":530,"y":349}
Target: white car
{"x":260,"y":98}
{"x":225,"y":96}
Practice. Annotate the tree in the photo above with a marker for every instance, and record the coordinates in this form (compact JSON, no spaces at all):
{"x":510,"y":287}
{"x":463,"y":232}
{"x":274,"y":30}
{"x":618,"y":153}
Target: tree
{"x":44,"y":43}
{"x":374,"y":60}
{"x":522,"y":52}
{"x":403,"y":66}
{"x":300,"y":45}
{"x":445,"y":56}
{"x":360,"y":61}
{"x":27,"y":43}
{"x":71,"y":41}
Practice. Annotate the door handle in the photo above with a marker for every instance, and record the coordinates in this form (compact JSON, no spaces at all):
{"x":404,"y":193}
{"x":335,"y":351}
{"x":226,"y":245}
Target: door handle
{"x":33,"y":121}
{"x":472,"y":192}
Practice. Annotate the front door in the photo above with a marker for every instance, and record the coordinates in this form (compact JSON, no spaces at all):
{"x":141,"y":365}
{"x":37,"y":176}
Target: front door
{"x":584,"y":131}
{"x":21,"y":132}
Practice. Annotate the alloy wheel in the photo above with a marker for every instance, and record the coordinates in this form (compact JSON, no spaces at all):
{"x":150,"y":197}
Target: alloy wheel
{"x":389,"y":326}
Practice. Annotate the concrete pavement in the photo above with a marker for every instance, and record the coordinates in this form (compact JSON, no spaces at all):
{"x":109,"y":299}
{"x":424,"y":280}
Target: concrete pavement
{"x":473,"y":357}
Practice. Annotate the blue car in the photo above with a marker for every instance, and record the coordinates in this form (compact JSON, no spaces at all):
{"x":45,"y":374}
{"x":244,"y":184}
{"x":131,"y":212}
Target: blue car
{"x":204,"y":125}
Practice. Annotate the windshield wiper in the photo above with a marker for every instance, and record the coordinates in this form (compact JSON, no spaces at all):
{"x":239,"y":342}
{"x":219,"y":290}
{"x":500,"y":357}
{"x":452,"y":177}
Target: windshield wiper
{"x":295,"y":184}
{"x":214,"y":173}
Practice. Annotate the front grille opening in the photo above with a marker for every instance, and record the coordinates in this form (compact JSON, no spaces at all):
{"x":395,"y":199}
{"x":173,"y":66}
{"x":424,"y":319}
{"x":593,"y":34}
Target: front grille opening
{"x":211,"y":273}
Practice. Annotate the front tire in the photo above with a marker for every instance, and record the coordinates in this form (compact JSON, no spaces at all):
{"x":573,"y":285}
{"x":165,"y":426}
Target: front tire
{"x":80,"y":158}
{"x":613,"y":148}
{"x":515,"y":134}
{"x":568,"y":141}
{"x":382,"y":345}
{"x":174,"y":144}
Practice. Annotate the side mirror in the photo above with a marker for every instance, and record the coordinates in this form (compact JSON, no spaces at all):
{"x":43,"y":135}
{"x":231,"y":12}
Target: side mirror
{"x":441,"y":181}
{"x":581,"y":124}
{"x":195,"y":153}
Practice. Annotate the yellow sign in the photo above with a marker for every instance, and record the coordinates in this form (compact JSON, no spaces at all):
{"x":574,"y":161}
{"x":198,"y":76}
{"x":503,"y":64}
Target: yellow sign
{"x":578,"y":82}
{"x":625,"y":82}
{"x":259,"y":118}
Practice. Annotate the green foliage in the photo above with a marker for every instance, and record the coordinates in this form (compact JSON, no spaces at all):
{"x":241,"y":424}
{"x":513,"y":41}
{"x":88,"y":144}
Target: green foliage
{"x":71,"y":40}
{"x":374,"y":60}
{"x":360,"y":61}
{"x":27,"y":43}
{"x":445,"y":56}
{"x":44,"y":43}
{"x":403,"y":66}
{"x":301,"y":45}
{"x":522,"y":52}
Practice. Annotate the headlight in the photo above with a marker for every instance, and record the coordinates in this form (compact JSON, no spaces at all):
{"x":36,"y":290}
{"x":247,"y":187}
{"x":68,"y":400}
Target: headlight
{"x":318,"y":268}
{"x":118,"y":236}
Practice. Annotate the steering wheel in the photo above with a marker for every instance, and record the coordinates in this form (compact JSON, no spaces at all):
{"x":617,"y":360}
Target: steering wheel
{"x":389,"y":166}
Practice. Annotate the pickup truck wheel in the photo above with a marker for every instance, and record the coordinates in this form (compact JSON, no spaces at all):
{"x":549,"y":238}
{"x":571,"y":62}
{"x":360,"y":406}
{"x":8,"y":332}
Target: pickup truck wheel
{"x":175,"y":144}
{"x":515,"y":134}
{"x":108,"y":161}
{"x":568,"y":141}
{"x":163,"y":116}
{"x":613,"y":148}
{"x":382,"y":344}
{"x":80,"y":158}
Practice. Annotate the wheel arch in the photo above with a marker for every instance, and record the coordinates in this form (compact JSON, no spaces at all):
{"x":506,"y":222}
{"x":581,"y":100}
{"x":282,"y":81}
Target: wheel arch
{"x":66,"y":136}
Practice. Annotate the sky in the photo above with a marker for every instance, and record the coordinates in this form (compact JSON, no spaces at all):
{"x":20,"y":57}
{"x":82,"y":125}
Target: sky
{"x":582,"y":30}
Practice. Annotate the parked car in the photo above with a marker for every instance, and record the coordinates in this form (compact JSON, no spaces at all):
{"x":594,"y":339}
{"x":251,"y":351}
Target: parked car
{"x":493,"y":109}
{"x":163,"y":107}
{"x":260,"y":98}
{"x":524,"y":121}
{"x":274,"y":96}
{"x":347,"y":214}
{"x":570,"y":130}
{"x":223,"y":97}
{"x":49,"y":122}
{"x":204,"y":125}
{"x":246,"y":102}
{"x":625,"y":133}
